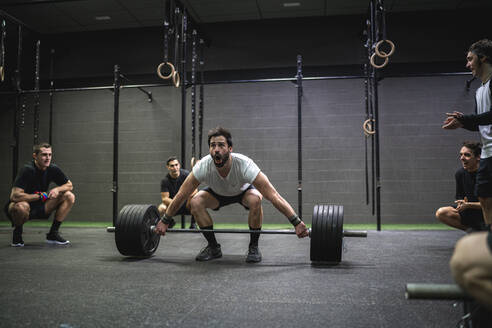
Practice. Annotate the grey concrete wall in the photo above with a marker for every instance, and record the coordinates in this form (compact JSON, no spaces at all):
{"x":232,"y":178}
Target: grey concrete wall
{"x":83,"y":145}
{"x":418,"y":158}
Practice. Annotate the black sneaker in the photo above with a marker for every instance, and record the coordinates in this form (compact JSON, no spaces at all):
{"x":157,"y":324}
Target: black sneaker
{"x":17,"y":240}
{"x":193,"y":226}
{"x":56,"y":239}
{"x":254,"y":254}
{"x":209,"y":253}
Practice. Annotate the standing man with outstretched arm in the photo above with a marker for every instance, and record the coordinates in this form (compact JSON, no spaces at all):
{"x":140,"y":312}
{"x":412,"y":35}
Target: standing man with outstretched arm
{"x":471,"y":263}
{"x":231,"y":178}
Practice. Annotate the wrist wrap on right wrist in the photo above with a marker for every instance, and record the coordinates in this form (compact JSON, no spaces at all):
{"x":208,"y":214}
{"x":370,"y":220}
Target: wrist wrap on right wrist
{"x":295,"y":220}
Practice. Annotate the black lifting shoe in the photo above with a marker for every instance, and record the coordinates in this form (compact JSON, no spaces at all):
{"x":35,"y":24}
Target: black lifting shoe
{"x":254,"y":254}
{"x":17,"y":239}
{"x":56,"y":239}
{"x":208,"y":253}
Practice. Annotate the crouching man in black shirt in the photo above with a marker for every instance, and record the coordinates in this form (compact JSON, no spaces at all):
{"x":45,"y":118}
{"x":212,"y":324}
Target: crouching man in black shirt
{"x":31,"y":199}
{"x":170,"y":186}
{"x":467,"y":213}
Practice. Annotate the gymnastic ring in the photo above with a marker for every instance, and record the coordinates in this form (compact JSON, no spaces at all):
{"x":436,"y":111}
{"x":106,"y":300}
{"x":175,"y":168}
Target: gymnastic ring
{"x":165,"y":77}
{"x":176,"y":79}
{"x":2,"y":74}
{"x":365,"y":126}
{"x":386,"y":60}
{"x":381,"y":53}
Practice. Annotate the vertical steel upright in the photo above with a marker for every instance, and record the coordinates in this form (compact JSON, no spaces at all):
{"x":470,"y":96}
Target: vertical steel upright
{"x":117,"y":84}
{"x":299,"y":133}
{"x":19,"y":108}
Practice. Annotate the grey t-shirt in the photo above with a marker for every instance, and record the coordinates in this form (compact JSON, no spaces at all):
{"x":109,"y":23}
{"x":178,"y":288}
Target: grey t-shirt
{"x":243,"y":173}
{"x":483,"y":98}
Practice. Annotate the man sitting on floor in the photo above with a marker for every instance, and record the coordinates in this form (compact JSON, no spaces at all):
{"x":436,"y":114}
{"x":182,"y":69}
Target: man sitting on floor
{"x":467,"y":213}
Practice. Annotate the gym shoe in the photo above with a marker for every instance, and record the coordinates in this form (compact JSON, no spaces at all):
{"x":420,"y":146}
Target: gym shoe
{"x":254,"y":254}
{"x":209,"y":253}
{"x":17,"y":240}
{"x":55,"y":238}
{"x":193,"y":226}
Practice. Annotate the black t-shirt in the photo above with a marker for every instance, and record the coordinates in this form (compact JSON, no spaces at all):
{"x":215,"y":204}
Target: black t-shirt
{"x":465,"y":185}
{"x":170,"y":185}
{"x":32,"y":179}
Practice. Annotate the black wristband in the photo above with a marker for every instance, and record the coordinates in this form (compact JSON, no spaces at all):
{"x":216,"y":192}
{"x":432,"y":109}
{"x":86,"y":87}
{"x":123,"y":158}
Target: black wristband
{"x":295,"y":220}
{"x":166,"y":219}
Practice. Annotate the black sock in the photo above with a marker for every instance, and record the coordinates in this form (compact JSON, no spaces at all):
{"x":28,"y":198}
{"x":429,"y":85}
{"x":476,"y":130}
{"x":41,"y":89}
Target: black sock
{"x":210,"y":236}
{"x":55,"y":226}
{"x":18,"y":230}
{"x":254,"y":236}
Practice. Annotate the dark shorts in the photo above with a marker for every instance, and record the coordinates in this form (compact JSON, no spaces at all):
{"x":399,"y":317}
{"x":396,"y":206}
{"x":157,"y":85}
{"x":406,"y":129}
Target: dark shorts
{"x":227,"y":200}
{"x":473,"y":219}
{"x":37,"y":211}
{"x":183,"y":210}
{"x":483,"y":185}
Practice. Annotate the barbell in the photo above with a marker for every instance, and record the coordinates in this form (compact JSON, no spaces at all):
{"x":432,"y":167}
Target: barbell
{"x":135,"y":236}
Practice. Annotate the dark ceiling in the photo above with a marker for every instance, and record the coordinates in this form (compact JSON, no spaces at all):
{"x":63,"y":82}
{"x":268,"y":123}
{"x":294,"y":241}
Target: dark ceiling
{"x":60,"y":16}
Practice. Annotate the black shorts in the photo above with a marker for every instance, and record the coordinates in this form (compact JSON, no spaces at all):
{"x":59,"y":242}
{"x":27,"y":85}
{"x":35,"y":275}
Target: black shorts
{"x":183,"y":210}
{"x":472,"y":218}
{"x":227,"y":200}
{"x":37,"y":211}
{"x":483,"y":185}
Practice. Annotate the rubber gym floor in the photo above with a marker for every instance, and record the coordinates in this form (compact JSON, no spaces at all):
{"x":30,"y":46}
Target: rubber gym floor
{"x":89,"y":284}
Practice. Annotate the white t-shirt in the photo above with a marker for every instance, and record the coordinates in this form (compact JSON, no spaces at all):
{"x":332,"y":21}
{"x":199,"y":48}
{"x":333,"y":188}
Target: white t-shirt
{"x":243,"y":172}
{"x":483,"y":105}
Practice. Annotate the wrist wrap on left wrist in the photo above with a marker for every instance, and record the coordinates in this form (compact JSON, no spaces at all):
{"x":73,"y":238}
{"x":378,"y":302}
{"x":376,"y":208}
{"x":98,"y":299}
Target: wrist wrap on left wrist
{"x":166,"y":219}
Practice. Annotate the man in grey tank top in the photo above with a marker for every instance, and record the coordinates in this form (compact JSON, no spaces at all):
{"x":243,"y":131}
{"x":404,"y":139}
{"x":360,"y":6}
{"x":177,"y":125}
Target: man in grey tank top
{"x":471,"y":263}
{"x":231,"y":178}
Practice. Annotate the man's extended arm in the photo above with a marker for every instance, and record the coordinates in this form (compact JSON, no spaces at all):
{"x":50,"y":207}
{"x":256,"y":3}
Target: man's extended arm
{"x":189,"y":186}
{"x":268,"y":191}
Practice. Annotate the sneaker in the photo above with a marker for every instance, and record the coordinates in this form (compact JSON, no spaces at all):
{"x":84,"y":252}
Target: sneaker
{"x":17,"y":240}
{"x":55,"y":238}
{"x":193,"y":226}
{"x":254,"y":254}
{"x":209,"y":253}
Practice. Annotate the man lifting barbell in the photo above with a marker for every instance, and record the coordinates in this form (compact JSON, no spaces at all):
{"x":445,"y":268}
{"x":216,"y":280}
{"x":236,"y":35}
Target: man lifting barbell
{"x":231,"y":178}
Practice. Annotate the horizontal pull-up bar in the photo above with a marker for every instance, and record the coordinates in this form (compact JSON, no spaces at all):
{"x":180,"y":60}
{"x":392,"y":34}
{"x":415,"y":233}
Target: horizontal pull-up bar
{"x":287,"y":79}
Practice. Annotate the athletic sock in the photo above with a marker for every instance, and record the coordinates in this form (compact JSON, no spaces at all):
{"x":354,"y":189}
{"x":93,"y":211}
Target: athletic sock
{"x":55,"y":226}
{"x":210,"y":236}
{"x":254,"y":236}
